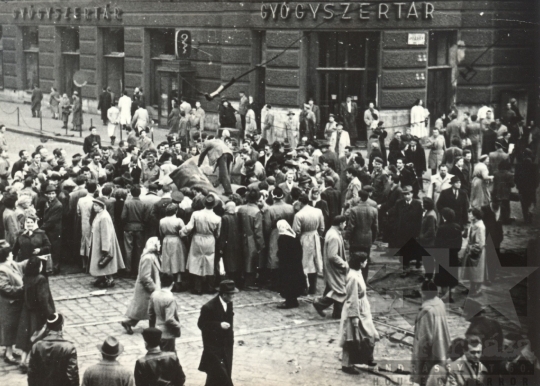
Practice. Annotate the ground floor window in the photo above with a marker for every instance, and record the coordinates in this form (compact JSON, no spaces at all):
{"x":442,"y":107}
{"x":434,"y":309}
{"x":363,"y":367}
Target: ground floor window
{"x":31,"y":57}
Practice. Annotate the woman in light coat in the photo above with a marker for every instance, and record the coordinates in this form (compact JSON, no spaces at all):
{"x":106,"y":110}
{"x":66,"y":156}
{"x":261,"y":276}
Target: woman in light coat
{"x":437,"y":146}
{"x":113,"y":118}
{"x":474,"y":259}
{"x":480,"y":194}
{"x":65,"y":109}
{"x":147,"y":282}
{"x":11,"y":224}
{"x":54,"y":101}
{"x":173,"y":252}
{"x":357,"y":331}
{"x":419,"y":115}
{"x":251,"y":122}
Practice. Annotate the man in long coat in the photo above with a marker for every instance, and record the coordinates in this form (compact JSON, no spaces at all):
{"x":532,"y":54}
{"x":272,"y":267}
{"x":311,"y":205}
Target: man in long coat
{"x":124,"y":105}
{"x":52,"y":225}
{"x":37,"y":97}
{"x":363,"y":228}
{"x":349,"y":112}
{"x":335,"y":269}
{"x":279,"y":210}
{"x":104,"y":104}
{"x":251,"y":231}
{"x":216,"y":325}
{"x":84,"y":210}
{"x":77,"y":119}
{"x":309,"y":224}
{"x":104,"y":243}
{"x":416,"y":155}
{"x":332,"y":196}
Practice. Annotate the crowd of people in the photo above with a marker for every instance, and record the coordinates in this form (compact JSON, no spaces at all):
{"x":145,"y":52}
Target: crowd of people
{"x":289,"y":212}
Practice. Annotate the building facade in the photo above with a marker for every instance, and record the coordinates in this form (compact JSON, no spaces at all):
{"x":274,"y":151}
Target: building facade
{"x":463,"y":53}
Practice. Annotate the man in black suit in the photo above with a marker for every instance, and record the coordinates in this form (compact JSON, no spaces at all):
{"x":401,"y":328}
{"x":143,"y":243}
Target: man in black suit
{"x":408,"y":221}
{"x":406,"y":176}
{"x":258,"y":141}
{"x":19,"y":165}
{"x":52,"y":225}
{"x":133,"y":169}
{"x":104,"y":104}
{"x":89,"y":141}
{"x":216,"y":325}
{"x":460,"y":171}
{"x":332,"y":196}
{"x":456,"y":199}
{"x":415,"y":154}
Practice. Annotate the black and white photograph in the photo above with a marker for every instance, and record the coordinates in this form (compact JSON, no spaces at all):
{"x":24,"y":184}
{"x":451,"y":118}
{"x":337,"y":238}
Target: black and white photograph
{"x":269,"y":193}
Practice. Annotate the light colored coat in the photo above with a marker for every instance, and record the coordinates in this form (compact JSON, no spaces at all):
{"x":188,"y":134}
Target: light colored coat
{"x":250,"y":225}
{"x":206,"y":227}
{"x":124,"y":105}
{"x":344,"y":141}
{"x":309,"y":223}
{"x":437,"y":147}
{"x":103,"y":239}
{"x":431,"y":338}
{"x":440,"y":185}
{"x":147,"y":282}
{"x":163,"y":313}
{"x":476,"y":239}
{"x":84,"y":209}
{"x":335,"y":266}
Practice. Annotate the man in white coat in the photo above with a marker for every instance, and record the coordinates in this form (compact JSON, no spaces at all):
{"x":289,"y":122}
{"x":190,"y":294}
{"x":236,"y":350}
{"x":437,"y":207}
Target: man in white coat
{"x":339,"y":140}
{"x":439,"y":182}
{"x":84,"y":210}
{"x":124,"y":105}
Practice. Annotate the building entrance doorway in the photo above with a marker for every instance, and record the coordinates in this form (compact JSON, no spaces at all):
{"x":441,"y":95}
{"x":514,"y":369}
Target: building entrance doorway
{"x":348,"y":63}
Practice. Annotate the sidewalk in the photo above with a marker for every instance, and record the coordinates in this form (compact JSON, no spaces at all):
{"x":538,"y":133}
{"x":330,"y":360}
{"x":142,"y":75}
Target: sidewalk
{"x":52,"y":129}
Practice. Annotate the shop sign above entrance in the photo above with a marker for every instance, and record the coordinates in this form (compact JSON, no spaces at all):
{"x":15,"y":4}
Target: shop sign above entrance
{"x":347,"y":11}
{"x":417,"y":39}
{"x":68,"y":13}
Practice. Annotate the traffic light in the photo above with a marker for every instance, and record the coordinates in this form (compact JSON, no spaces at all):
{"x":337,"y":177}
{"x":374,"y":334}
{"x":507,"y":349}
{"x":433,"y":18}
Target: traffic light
{"x":183,"y":44}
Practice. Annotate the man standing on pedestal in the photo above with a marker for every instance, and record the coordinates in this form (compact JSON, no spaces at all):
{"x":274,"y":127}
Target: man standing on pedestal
{"x":349,"y":111}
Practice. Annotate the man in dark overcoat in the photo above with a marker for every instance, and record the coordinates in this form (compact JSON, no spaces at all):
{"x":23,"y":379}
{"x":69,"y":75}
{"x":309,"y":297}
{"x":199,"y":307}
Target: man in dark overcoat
{"x":216,"y":325}
{"x":415,"y":154}
{"x":456,"y":199}
{"x":104,"y":104}
{"x":88,"y":141}
{"x":52,"y":225}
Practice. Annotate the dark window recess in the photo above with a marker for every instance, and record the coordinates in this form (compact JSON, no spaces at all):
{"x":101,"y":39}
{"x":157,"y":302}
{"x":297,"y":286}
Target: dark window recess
{"x":439,"y":47}
{"x":113,"y":41}
{"x":348,"y":50}
{"x":162,"y":42}
{"x":30,"y":74}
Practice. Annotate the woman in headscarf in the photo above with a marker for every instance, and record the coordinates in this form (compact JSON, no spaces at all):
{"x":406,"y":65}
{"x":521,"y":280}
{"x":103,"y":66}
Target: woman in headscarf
{"x":147,"y":282}
{"x":448,"y":237}
{"x":24,"y":202}
{"x":480,"y":194}
{"x":38,"y":304}
{"x":229,"y":243}
{"x":11,"y":301}
{"x":357,"y":331}
{"x":32,"y":241}
{"x":65,"y":109}
{"x":173,"y":255}
{"x":293,"y":282}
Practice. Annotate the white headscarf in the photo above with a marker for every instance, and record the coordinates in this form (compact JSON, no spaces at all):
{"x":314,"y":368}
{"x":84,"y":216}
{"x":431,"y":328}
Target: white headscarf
{"x":284,"y":228}
{"x":152,"y":246}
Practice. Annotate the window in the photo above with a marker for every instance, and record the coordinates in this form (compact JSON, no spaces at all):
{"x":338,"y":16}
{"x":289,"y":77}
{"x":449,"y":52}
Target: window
{"x":439,"y":47}
{"x":31,"y":57}
{"x":1,"y":59}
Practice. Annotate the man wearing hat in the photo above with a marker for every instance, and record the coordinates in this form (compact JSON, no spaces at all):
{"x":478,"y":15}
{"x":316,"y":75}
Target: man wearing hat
{"x":308,"y":121}
{"x":250,"y":224}
{"x":106,"y":255}
{"x":291,"y":131}
{"x":216,"y":325}
{"x":456,"y":199}
{"x":53,"y":360}
{"x":415,"y":154}
{"x":108,"y":372}
{"x":279,"y":210}
{"x":339,"y":140}
{"x":157,"y":367}
{"x":52,"y":225}
{"x":205,"y":226}
{"x":439,"y":182}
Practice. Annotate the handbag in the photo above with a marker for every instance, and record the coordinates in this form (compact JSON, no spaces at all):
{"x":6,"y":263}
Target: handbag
{"x":49,"y":262}
{"x":105,"y":260}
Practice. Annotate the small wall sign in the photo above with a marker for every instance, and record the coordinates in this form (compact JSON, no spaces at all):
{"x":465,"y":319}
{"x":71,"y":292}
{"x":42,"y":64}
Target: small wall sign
{"x":417,"y":39}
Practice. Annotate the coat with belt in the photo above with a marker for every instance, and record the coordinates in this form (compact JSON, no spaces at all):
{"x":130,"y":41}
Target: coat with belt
{"x":11,"y":300}
{"x":250,"y":220}
{"x":363,"y":226}
{"x":104,"y":241}
{"x":459,"y":205}
{"x":217,"y":356}
{"x":84,"y":211}
{"x":278,"y":211}
{"x":309,"y":224}
{"x":147,"y":282}
{"x":335,"y":265}
{"x":163,"y":314}
{"x":53,"y":362}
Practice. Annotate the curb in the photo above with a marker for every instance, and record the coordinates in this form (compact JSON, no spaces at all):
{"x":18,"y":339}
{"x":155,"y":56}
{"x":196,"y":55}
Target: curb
{"x":58,"y":138}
